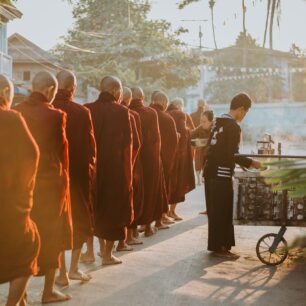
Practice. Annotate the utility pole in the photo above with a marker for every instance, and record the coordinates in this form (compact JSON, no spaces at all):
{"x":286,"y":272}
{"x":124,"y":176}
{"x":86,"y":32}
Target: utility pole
{"x":200,"y":29}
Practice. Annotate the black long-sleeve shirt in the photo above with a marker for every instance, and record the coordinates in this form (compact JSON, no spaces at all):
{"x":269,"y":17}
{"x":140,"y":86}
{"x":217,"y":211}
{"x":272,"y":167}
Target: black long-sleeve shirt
{"x":223,"y":145}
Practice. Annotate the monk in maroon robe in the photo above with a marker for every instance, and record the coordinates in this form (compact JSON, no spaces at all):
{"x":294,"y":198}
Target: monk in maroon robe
{"x":198,"y":155}
{"x":114,"y":183}
{"x":169,"y":143}
{"x":51,"y":203}
{"x":82,"y":160}
{"x":138,"y":197}
{"x":182,"y":179}
{"x":151,"y":161}
{"x":196,"y":116}
{"x":19,"y":239}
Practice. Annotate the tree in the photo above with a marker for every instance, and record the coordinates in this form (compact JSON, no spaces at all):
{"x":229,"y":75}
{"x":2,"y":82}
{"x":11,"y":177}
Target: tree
{"x":273,"y":7}
{"x":267,"y":23}
{"x":116,"y":37}
{"x":244,"y":9}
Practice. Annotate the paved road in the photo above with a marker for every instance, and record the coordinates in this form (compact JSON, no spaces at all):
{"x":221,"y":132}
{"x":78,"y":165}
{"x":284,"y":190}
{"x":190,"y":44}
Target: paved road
{"x":174,"y":269}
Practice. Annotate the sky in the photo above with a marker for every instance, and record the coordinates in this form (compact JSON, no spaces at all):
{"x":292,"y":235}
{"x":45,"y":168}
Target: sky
{"x":45,"y":21}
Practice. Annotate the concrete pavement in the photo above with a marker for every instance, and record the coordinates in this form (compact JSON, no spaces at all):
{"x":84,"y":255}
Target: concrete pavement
{"x":173,"y":268}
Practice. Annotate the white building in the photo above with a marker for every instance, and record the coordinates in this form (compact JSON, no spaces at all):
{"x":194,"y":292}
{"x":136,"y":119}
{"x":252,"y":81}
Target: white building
{"x":8,"y":12}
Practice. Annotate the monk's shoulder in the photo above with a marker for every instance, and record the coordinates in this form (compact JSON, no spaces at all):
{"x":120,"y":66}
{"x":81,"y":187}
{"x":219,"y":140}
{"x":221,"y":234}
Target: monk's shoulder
{"x":168,"y":117}
{"x":193,"y":115}
{"x":19,"y":107}
{"x":121,"y":109}
{"x":152,"y":112}
{"x":81,"y":110}
{"x":55,"y":114}
{"x":182,"y":115}
{"x":89,"y":105}
{"x":12,"y":117}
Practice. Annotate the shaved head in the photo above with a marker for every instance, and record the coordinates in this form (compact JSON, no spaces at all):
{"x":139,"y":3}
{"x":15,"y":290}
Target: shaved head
{"x":6,"y":91}
{"x":4,"y":82}
{"x":43,"y":80}
{"x":126,"y":96}
{"x":113,"y":86}
{"x":66,"y":80}
{"x":137,"y":93}
{"x":160,"y":98}
{"x":201,"y":103}
{"x":178,"y":102}
{"x":45,"y":83}
{"x":153,"y":95}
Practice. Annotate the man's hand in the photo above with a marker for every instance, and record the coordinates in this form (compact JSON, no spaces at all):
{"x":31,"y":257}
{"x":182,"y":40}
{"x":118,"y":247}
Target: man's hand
{"x":256,"y":164}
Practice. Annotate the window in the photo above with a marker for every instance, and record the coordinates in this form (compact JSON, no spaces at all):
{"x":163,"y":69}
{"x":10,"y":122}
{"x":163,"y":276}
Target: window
{"x":27,"y":75}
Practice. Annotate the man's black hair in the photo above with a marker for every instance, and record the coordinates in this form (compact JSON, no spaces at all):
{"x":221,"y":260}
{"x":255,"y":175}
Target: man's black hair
{"x":241,"y":100}
{"x":209,"y":114}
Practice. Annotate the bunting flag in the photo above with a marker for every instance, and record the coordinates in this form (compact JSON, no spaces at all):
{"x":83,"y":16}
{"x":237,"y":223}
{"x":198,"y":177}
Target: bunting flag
{"x":277,"y":70}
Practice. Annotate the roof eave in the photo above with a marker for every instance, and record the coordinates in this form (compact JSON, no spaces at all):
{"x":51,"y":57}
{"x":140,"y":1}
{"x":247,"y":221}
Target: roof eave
{"x":10,"y":12}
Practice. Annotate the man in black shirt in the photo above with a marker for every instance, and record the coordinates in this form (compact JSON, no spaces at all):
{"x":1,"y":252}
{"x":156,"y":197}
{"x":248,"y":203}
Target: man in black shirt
{"x":219,"y":169}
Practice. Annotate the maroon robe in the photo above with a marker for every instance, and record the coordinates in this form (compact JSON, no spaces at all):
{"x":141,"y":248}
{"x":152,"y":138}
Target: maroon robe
{"x":196,"y":117}
{"x":114,"y":183}
{"x":138,"y":196}
{"x":182,"y":178}
{"x":197,"y":152}
{"x":201,"y":152}
{"x":169,"y":143}
{"x":51,"y":203}
{"x":151,"y":162}
{"x":19,"y":239}
{"x":189,"y":122}
{"x":82,"y":163}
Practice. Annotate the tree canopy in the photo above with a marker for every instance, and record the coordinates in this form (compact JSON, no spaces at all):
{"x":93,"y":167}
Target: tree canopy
{"x":117,"y":37}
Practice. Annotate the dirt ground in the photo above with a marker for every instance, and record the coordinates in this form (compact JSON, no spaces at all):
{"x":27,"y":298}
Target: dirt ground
{"x":173,"y":268}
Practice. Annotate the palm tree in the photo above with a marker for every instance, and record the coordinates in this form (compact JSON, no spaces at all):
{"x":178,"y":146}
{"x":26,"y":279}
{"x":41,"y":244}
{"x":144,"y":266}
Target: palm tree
{"x":211,"y":6}
{"x":244,"y":12}
{"x":273,"y":6}
{"x":267,"y":22}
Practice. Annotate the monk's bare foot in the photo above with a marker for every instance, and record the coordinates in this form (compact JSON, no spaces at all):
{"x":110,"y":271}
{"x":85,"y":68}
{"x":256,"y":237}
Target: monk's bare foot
{"x":111,"y":261}
{"x":162,"y":226}
{"x":24,"y":300}
{"x":79,"y":275}
{"x":55,"y":297}
{"x":174,"y":216}
{"x":150,"y":231}
{"x":203,"y":212}
{"x":135,"y":233}
{"x":134,"y":241}
{"x":141,"y":229}
{"x":166,"y":220}
{"x":87,"y":259}
{"x":62,"y":280}
{"x":124,"y":247}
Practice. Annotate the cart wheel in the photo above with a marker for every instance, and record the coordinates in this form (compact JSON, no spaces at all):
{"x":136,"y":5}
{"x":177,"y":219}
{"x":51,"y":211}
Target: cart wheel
{"x":266,"y":256}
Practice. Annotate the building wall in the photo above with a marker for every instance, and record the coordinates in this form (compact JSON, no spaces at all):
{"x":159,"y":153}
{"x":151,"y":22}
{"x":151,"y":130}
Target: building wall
{"x":19,"y":70}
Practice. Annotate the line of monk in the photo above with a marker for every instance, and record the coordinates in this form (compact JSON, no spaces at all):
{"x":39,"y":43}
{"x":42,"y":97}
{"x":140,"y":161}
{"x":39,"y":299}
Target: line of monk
{"x":111,"y":169}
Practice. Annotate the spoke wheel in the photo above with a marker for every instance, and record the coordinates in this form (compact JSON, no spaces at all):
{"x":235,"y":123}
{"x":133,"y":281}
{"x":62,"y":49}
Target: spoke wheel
{"x":271,"y":258}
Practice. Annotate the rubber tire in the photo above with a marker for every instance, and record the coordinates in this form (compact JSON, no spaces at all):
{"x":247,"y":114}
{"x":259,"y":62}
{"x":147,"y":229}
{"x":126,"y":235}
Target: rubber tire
{"x":269,"y":263}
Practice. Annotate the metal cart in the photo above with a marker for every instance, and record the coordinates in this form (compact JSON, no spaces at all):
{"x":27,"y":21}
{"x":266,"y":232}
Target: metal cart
{"x":255,"y":203}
